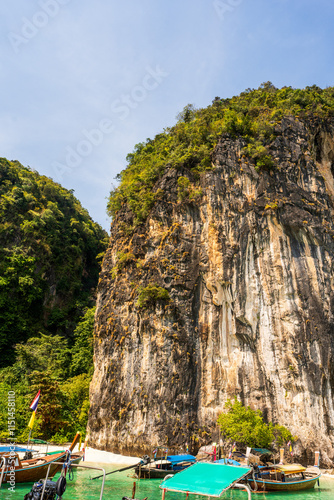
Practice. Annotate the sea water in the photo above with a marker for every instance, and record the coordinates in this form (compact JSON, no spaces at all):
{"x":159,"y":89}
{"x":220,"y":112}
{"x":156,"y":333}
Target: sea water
{"x":120,"y":484}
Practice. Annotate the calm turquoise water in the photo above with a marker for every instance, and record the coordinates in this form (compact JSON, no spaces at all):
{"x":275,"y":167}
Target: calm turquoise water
{"x":120,"y":484}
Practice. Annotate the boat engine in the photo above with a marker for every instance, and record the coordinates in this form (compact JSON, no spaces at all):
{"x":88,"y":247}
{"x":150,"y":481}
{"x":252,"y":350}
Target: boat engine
{"x":128,"y":498}
{"x":145,"y":460}
{"x":52,"y":489}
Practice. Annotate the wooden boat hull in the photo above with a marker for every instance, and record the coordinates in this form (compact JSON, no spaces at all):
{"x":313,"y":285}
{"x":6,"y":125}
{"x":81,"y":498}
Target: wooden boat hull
{"x":77,"y":457}
{"x":153,"y":473}
{"x":162,"y":467}
{"x":267,"y":485}
{"x":33,"y":470}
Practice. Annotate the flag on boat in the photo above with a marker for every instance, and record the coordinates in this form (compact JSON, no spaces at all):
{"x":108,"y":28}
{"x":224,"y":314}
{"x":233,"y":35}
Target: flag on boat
{"x":32,"y":420}
{"x":34,"y":404}
{"x":290,"y":447}
{"x":84,"y":449}
{"x":233,"y":449}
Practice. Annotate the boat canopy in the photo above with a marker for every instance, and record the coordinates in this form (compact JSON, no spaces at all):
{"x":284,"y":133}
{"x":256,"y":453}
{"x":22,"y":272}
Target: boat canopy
{"x":14,"y":449}
{"x":227,"y":461}
{"x":181,"y":458}
{"x":263,"y":451}
{"x":291,"y":468}
{"x":205,"y":479}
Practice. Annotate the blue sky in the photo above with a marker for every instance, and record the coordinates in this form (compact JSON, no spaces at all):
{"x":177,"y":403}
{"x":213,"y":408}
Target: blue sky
{"x":83,"y":82}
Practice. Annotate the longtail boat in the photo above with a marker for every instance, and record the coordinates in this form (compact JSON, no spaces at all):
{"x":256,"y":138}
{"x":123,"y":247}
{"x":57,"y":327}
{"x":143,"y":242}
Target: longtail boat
{"x":52,"y":490}
{"x":12,"y":469}
{"x":163,"y":465}
{"x":289,"y":477}
{"x":27,"y":471}
{"x":161,"y":468}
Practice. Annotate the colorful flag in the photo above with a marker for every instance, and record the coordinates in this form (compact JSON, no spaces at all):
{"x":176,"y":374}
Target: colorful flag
{"x":290,"y":447}
{"x":232,"y":449}
{"x":84,"y":449}
{"x":214,"y":451}
{"x":34,"y":404}
{"x":32,"y":420}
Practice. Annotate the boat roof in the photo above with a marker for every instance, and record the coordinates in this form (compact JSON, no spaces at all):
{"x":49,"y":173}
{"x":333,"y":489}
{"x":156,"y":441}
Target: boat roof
{"x":15,"y":449}
{"x":290,"y":468}
{"x":205,"y":478}
{"x":263,"y":451}
{"x":157,"y":462}
{"x":181,"y":458}
{"x":227,"y":461}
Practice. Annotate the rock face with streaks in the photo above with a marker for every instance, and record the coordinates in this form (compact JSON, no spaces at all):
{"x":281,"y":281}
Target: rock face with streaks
{"x":248,"y":267}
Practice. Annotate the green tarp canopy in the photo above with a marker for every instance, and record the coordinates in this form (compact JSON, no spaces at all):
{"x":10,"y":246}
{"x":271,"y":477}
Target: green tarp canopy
{"x":205,"y":479}
{"x":262,"y":451}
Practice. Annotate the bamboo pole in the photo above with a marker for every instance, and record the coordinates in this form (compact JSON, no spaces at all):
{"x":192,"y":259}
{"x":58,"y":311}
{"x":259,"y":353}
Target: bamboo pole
{"x":316,"y":458}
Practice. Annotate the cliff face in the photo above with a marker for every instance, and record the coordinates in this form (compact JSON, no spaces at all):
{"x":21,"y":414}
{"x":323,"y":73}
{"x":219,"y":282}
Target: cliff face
{"x":249,"y":272}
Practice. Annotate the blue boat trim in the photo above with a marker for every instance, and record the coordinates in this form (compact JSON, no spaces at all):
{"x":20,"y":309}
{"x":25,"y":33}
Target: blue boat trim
{"x":14,"y":449}
{"x":263,"y":481}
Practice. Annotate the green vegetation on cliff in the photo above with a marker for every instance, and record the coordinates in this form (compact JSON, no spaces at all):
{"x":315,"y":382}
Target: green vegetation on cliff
{"x":191,"y":142}
{"x":62,"y":374}
{"x":48,"y":258}
{"x":151,"y":294}
{"x":50,"y":254}
{"x":246,"y":426}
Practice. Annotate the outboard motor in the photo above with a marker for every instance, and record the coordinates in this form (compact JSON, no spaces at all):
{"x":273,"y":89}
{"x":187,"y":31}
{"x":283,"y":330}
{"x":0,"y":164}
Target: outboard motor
{"x":52,"y":489}
{"x":128,"y":498}
{"x":256,"y":470}
{"x":145,"y":460}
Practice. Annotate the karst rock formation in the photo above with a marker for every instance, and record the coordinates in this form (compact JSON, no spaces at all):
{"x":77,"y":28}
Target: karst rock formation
{"x":243,"y":302}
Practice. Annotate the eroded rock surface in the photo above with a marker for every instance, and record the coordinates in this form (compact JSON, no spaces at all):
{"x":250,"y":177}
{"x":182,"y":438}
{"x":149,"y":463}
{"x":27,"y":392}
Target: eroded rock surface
{"x":249,"y":271}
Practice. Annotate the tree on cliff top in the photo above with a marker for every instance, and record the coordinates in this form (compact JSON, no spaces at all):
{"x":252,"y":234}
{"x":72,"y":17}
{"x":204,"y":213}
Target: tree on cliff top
{"x":246,"y":426}
{"x":190,"y":143}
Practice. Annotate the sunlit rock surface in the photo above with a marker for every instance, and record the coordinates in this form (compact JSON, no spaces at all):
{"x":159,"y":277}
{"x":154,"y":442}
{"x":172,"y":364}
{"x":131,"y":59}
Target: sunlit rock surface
{"x":249,"y":271}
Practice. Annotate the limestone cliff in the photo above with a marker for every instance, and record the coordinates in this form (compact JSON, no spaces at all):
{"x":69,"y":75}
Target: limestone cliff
{"x":248,"y":266}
